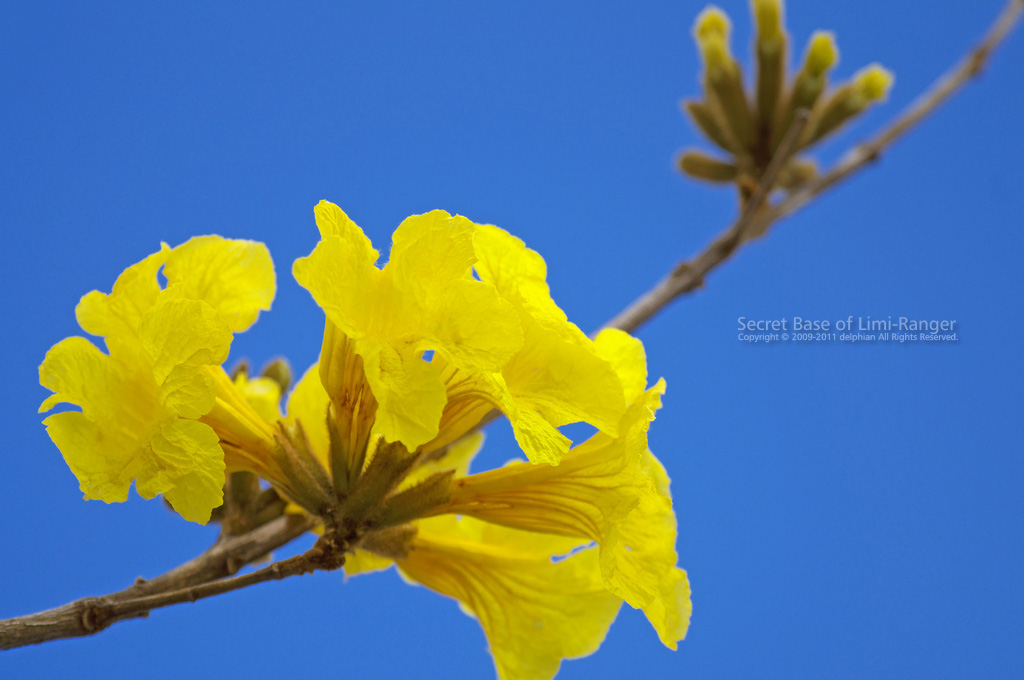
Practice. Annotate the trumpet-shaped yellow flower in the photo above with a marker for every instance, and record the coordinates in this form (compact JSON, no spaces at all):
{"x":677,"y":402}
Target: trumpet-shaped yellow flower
{"x":497,"y":341}
{"x":608,"y":490}
{"x":143,"y":404}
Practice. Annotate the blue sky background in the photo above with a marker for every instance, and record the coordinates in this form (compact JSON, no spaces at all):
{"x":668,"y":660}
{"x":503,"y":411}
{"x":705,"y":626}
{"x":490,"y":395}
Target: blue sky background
{"x":846,"y":511}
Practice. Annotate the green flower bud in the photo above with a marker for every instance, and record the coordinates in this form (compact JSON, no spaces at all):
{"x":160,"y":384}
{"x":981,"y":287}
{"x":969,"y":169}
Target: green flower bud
{"x":280,"y":372}
{"x":873,"y":82}
{"x":822,"y":53}
{"x":712,"y":21}
{"x":699,"y":166}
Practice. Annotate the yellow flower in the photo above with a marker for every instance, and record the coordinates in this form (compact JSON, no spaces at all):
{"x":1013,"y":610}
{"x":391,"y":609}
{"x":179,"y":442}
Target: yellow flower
{"x":610,"y":490}
{"x":497,"y":541}
{"x":420,"y":351}
{"x":157,"y":407}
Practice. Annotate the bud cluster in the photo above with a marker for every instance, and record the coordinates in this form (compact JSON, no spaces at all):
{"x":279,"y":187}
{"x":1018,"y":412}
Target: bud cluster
{"x":751,"y":127}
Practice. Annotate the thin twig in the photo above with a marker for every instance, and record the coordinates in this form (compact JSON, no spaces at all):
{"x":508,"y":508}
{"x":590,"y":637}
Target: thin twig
{"x":688,"y":276}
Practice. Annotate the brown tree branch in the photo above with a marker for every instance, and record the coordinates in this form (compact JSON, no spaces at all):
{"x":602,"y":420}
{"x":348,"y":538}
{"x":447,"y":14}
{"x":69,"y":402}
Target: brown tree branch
{"x":211,"y":573}
{"x":92,"y":614}
{"x":689,"y":275}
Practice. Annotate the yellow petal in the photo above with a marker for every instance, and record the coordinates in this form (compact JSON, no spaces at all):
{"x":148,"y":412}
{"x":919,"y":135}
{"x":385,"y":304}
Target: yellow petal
{"x":360,"y":562}
{"x":307,"y":404}
{"x":520,"y":276}
{"x":188,"y":459}
{"x":134,"y":292}
{"x":263,"y":394}
{"x":105,"y":462}
{"x":77,"y":372}
{"x":585,"y":496}
{"x":409,"y":392}
{"x":430,"y":263}
{"x":180,"y":336}
{"x":540,"y":440}
{"x":463,"y":529}
{"x":638,"y":554}
{"x":345,"y":283}
{"x":625,"y":354}
{"x":428,"y":251}
{"x":669,"y":612}
{"x":176,"y":332}
{"x":125,"y":433}
{"x":564,"y":381}
{"x":188,"y":391}
{"x":473,"y":327}
{"x":442,"y":307}
{"x":332,"y":221}
{"x":535,"y":612}
{"x":235,"y":277}
{"x":558,"y":372}
{"x":471,"y":396}
{"x":104,"y":444}
{"x":638,"y":561}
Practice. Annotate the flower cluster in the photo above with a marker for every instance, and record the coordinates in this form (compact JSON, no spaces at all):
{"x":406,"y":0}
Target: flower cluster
{"x":751,"y":128}
{"x":376,"y":439}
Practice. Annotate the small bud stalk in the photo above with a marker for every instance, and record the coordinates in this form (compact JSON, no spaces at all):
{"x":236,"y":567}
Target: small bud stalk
{"x":770,"y":51}
{"x":723,"y":80}
{"x":822,"y":55}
